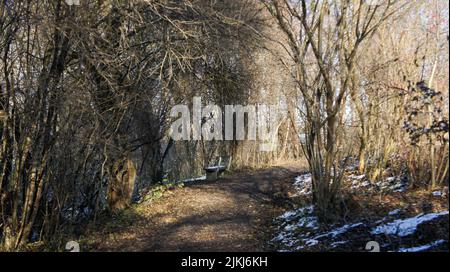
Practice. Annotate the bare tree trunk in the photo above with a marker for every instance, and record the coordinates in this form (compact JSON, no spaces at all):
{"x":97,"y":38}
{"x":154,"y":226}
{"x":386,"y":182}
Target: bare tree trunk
{"x":122,"y":177}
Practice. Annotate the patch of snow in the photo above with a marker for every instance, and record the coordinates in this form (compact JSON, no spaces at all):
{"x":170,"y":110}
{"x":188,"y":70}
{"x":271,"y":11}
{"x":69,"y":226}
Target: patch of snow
{"x":306,"y":210}
{"x":338,"y":243}
{"x":338,"y":231}
{"x":352,"y":165}
{"x":405,"y":227}
{"x":290,"y":227}
{"x":303,"y":218}
{"x":357,"y":184}
{"x":311,"y":242}
{"x":293,"y":214}
{"x":311,"y":222}
{"x":437,"y":193}
{"x":398,"y":188}
{"x":303,"y":185}
{"x":307,"y":240}
{"x":395,"y":184}
{"x":424,"y":247}
{"x":391,"y":179}
{"x":299,"y":218}
{"x":290,"y":221}
{"x":394,"y":212}
{"x":360,"y":177}
{"x":288,"y":215}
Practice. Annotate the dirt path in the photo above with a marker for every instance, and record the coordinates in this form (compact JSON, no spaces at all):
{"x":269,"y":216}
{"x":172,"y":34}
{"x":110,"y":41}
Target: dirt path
{"x":233,"y":213}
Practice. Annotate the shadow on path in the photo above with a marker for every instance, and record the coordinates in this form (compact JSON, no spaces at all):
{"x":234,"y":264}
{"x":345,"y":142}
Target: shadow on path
{"x":233,"y":213}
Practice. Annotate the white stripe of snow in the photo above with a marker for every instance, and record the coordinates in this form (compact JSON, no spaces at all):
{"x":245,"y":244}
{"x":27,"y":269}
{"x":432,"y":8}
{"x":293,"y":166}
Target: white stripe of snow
{"x":407,"y":226}
{"x":338,"y":231}
{"x":422,"y":248}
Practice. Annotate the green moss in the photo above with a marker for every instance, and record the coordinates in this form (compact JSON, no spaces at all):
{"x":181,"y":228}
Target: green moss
{"x":157,"y":191}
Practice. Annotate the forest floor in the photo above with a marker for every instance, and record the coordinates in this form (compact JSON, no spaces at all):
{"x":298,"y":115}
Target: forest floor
{"x":233,"y":213}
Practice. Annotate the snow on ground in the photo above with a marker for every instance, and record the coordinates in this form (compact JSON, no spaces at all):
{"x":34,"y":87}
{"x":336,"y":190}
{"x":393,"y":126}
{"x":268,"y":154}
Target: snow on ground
{"x":355,"y":177}
{"x":394,"y":212}
{"x":441,"y":193}
{"x":392,"y":184}
{"x":405,"y":227}
{"x":303,"y":185}
{"x":437,"y":193}
{"x":300,"y":230}
{"x":339,"y":230}
{"x":424,"y":247}
{"x":338,"y":243}
{"x":327,"y":237}
{"x":292,"y":221}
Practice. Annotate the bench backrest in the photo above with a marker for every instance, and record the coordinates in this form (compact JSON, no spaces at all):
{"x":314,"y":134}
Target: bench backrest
{"x":223,"y":161}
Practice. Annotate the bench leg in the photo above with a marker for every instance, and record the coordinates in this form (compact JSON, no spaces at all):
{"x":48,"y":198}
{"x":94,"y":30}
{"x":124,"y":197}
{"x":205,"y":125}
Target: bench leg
{"x":211,"y":176}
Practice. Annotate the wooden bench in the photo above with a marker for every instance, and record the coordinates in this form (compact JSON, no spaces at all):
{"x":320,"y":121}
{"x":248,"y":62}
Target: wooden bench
{"x":220,"y":165}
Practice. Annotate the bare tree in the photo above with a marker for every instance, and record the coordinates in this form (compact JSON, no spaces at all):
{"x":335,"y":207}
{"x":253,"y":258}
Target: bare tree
{"x":324,"y":38}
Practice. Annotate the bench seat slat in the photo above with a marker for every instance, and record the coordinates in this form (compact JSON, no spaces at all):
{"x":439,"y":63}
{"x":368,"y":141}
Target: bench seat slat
{"x":221,"y":164}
